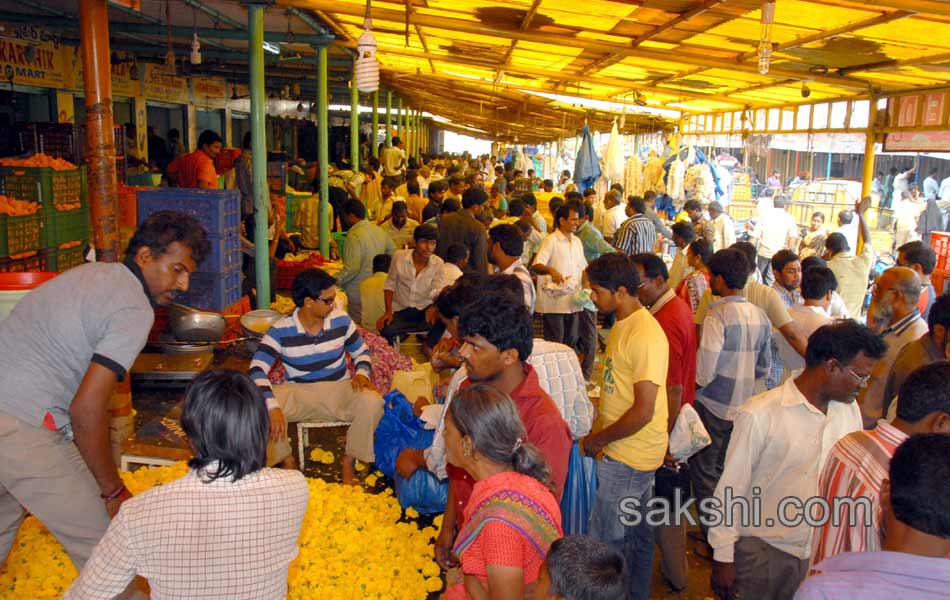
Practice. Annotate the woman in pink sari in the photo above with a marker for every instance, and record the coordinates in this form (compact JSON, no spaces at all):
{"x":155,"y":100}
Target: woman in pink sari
{"x":512,"y":517}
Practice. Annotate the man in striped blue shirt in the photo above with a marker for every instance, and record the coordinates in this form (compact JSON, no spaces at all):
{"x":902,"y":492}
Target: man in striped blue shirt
{"x":734,"y":352}
{"x":313,"y":343}
{"x":637,"y":235}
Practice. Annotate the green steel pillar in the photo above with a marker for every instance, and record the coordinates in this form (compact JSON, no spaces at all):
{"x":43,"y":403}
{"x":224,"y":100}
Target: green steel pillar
{"x":323,"y":150}
{"x":389,"y":118}
{"x":255,"y":29}
{"x":374,"y":139}
{"x":410,"y":133}
{"x":401,"y":120}
{"x":354,"y":125}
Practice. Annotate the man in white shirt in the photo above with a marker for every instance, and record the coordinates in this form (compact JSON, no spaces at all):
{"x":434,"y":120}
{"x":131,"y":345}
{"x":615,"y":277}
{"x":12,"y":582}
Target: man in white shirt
{"x":944,"y":192}
{"x":560,"y":263}
{"x":848,"y":227}
{"x":818,"y":284}
{"x":778,"y":447}
{"x":723,"y":228}
{"x":400,"y":227}
{"x":505,"y":247}
{"x":614,"y":215}
{"x":776,"y":230}
{"x":930,"y":187}
{"x":901,"y":185}
{"x":456,"y":261}
{"x":393,"y":161}
{"x":415,"y":279}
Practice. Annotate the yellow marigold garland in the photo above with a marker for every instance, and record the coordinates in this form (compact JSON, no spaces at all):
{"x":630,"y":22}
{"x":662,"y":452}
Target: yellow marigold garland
{"x":352,"y":545}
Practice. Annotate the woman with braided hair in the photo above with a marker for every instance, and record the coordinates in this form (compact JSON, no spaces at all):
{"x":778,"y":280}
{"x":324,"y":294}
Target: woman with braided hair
{"x":512,"y":517}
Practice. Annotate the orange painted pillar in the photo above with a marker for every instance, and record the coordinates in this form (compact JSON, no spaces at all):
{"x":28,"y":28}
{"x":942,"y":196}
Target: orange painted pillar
{"x":100,"y":136}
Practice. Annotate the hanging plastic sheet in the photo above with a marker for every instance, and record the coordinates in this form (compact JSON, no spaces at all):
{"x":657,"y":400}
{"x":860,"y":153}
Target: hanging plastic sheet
{"x":587,"y":164}
{"x":580,"y":491}
{"x":613,"y":159}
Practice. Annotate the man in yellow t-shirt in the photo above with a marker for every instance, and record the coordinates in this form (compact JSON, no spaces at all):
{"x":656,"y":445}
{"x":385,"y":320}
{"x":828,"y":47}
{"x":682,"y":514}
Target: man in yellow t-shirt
{"x":633,"y":437}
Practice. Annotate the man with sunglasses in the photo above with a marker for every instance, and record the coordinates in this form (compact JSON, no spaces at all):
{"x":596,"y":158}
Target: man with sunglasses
{"x":779,"y":444}
{"x":893,"y":313}
{"x":312,"y":343}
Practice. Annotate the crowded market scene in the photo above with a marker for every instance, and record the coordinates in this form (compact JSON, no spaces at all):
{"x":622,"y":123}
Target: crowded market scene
{"x":451,"y":299}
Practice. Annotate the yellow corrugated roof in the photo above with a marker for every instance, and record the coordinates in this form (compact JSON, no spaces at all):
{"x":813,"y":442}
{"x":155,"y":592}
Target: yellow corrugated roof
{"x":694,"y":55}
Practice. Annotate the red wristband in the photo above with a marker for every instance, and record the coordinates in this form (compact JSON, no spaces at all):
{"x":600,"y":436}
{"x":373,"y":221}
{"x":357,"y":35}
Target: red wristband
{"x":113,"y":495}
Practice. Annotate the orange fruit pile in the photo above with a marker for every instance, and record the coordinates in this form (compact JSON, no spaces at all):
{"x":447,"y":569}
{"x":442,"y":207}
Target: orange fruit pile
{"x":17,"y":208}
{"x":67,"y":206}
{"x":39,"y":160}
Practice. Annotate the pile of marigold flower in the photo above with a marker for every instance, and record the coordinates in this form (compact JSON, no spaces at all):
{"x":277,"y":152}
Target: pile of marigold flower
{"x":352,"y":545}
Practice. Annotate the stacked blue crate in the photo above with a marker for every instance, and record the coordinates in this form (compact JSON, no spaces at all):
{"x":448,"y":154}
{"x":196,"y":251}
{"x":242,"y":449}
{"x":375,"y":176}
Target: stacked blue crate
{"x":216,"y":284}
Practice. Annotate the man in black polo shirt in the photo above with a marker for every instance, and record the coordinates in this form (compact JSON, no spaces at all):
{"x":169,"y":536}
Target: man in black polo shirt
{"x":62,"y":350}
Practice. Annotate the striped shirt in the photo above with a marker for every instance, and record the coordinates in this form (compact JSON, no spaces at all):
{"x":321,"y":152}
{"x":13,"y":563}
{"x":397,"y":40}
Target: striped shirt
{"x":855,"y":468}
{"x":518,"y":269}
{"x":733,"y":353}
{"x":878,"y":576}
{"x":308,"y":358}
{"x":637,"y":235}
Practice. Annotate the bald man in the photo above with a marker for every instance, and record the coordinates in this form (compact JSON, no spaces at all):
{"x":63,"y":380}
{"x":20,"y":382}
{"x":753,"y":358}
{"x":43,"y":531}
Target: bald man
{"x":894,"y":315}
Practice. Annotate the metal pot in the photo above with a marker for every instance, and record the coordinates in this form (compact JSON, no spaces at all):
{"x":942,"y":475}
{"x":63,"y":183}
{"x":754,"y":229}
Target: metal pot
{"x":256,"y":322}
{"x":192,"y":325}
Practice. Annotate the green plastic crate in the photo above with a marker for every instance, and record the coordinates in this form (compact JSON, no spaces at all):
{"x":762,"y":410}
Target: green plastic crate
{"x":340,"y":240}
{"x":21,"y":234}
{"x":45,"y":185}
{"x":66,"y":226}
{"x":293,"y":206}
{"x":63,"y":259}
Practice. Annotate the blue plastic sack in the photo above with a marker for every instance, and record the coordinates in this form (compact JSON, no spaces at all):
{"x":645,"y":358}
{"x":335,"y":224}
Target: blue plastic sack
{"x":423,"y":492}
{"x":399,"y":429}
{"x":580,"y":491}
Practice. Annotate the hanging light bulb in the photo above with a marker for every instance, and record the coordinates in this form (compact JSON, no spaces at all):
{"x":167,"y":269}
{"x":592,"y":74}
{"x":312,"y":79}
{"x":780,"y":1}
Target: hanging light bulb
{"x":195,"y":45}
{"x":765,"y":37}
{"x":195,"y":50}
{"x":366,"y":69}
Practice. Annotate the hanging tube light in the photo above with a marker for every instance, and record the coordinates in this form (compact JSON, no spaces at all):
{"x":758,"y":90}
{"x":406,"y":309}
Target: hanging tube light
{"x":765,"y":37}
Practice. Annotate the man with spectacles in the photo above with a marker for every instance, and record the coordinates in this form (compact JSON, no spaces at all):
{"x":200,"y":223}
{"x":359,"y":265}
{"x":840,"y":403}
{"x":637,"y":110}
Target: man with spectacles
{"x":893,"y":313}
{"x":857,"y":464}
{"x":312,"y":343}
{"x":779,"y":444}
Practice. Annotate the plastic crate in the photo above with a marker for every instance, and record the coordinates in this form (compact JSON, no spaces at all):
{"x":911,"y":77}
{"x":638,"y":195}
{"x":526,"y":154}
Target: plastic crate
{"x":940,"y":242}
{"x":63,"y":259}
{"x":292,"y":207}
{"x":35,"y":262}
{"x":58,"y":140}
{"x":66,"y":226}
{"x":225,"y":253}
{"x":287,"y":272}
{"x":44,"y":185}
{"x":219,"y":211}
{"x":277,"y":177}
{"x":67,"y":141}
{"x":340,"y":238}
{"x":21,"y":234}
{"x":213,"y":291}
{"x":941,"y":281}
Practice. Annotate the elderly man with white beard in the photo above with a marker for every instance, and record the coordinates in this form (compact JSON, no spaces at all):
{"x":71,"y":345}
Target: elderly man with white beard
{"x":894,"y":315}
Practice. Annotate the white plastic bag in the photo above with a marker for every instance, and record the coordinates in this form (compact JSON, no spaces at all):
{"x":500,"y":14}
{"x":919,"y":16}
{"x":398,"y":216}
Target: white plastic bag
{"x":689,"y":436}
